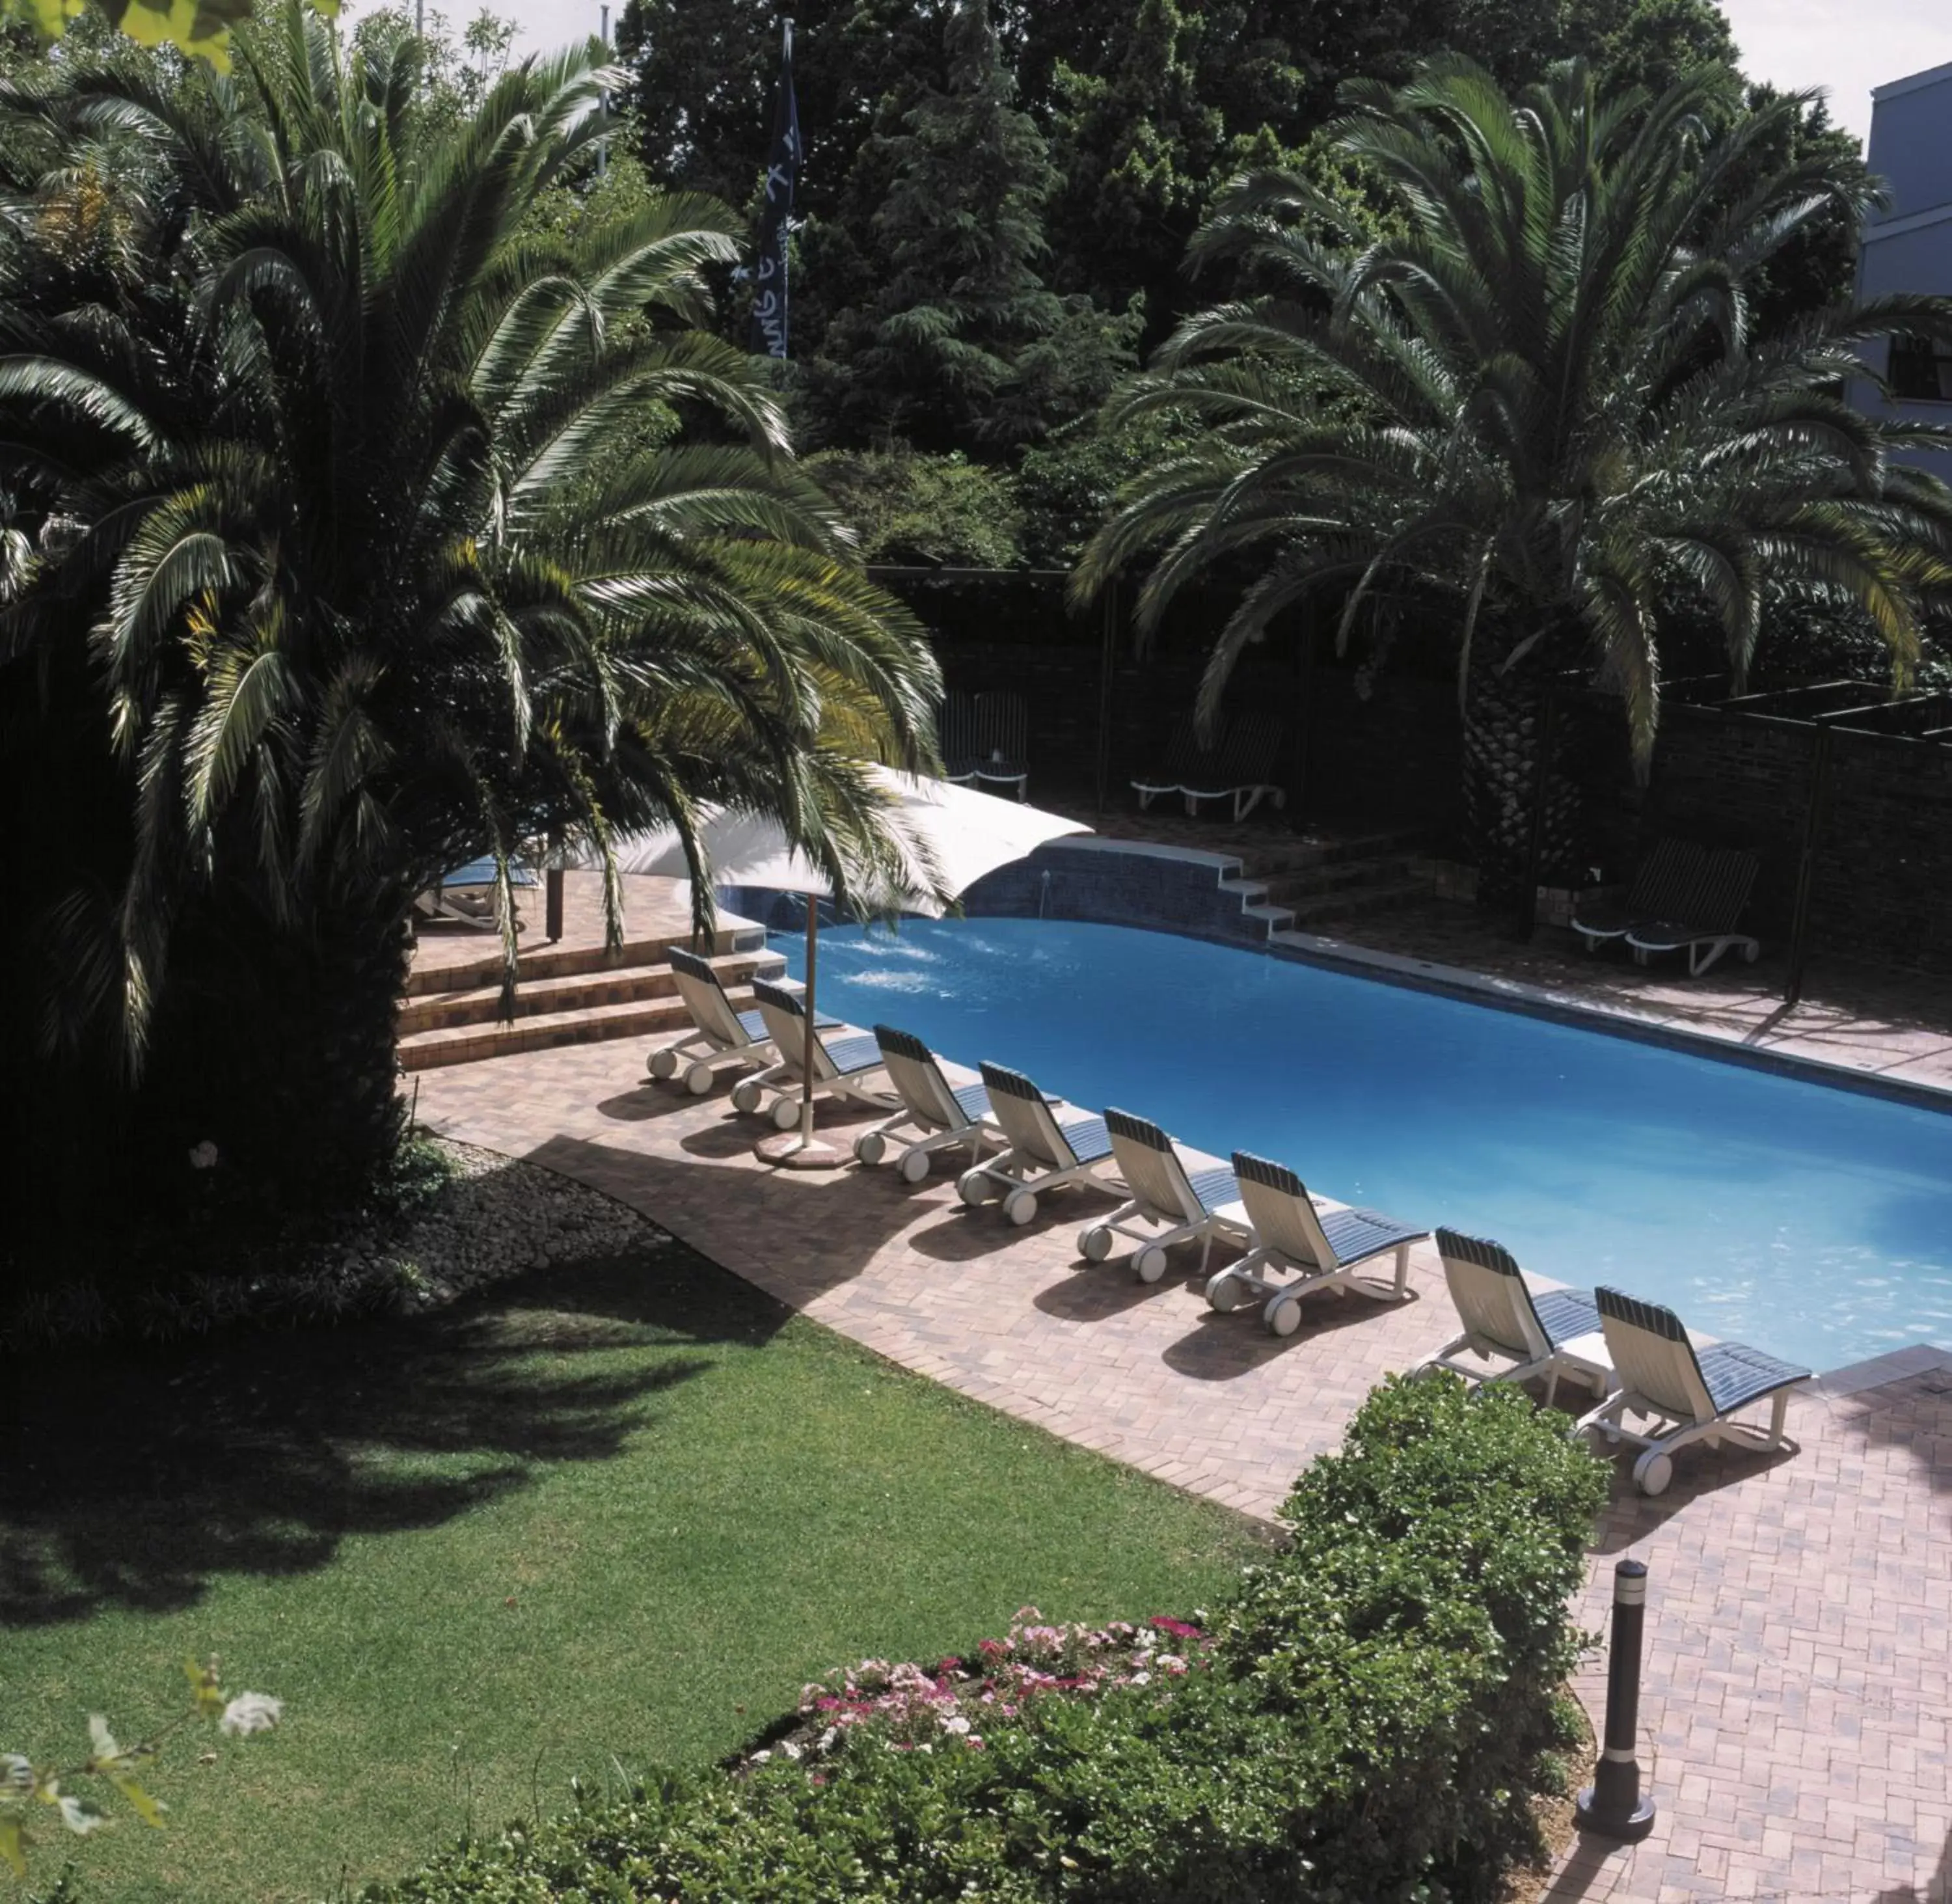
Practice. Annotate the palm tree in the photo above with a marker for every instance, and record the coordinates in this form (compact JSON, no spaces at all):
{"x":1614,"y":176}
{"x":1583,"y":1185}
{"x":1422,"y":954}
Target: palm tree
{"x":397,"y":531}
{"x":1542,"y":403}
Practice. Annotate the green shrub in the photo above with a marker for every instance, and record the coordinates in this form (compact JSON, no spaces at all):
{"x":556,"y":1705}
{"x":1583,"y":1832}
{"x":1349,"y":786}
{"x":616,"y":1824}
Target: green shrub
{"x":912,"y":509}
{"x":1380,"y":1701}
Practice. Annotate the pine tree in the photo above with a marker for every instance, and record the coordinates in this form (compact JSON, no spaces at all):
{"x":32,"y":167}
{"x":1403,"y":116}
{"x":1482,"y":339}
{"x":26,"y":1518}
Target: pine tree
{"x":962,"y":342}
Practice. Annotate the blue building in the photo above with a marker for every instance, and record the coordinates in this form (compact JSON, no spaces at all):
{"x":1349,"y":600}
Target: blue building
{"x":1908,"y":246}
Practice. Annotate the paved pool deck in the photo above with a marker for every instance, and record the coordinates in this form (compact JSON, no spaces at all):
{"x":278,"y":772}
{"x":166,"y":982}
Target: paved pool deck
{"x":1799,"y":1687}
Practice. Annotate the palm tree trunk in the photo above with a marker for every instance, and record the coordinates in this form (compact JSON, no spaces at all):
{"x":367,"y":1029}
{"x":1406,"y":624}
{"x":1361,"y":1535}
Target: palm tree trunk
{"x":1511,"y":789}
{"x":278,"y":1050}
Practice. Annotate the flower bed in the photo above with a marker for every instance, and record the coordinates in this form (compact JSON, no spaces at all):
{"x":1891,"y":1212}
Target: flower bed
{"x":908,"y":1708}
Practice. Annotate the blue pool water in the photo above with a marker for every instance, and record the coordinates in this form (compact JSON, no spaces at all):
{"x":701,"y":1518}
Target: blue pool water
{"x":1813,"y":1222}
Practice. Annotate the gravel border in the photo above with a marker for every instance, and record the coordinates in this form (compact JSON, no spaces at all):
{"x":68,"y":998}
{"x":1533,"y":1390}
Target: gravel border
{"x":496,"y":1218}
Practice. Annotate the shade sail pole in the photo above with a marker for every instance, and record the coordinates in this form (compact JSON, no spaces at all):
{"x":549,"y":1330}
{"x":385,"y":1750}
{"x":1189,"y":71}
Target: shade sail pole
{"x":806,"y":1049}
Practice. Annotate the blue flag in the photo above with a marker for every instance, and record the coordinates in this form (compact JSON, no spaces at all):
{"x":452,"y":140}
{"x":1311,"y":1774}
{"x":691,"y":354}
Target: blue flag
{"x":769,"y":273}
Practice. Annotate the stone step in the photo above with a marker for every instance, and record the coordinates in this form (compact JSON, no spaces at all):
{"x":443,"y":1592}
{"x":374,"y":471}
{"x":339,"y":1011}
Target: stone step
{"x":1356,"y":902}
{"x":567,"y":961}
{"x":1275,"y":857}
{"x":471,"y":1043}
{"x":1306,"y":883}
{"x":538,"y":996}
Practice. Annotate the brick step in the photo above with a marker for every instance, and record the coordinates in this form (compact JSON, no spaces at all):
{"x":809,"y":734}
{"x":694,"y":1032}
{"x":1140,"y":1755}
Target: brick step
{"x":471,"y":1044}
{"x":571,"y":991}
{"x":1306,"y":883}
{"x":567,"y":961}
{"x":1276,"y":856}
{"x":1356,"y":902}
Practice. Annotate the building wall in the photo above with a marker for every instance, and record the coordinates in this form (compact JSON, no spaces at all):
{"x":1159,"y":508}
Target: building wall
{"x":1908,"y":247}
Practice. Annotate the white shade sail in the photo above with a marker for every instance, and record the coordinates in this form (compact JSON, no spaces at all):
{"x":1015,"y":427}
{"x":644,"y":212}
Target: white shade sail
{"x":958,"y":833}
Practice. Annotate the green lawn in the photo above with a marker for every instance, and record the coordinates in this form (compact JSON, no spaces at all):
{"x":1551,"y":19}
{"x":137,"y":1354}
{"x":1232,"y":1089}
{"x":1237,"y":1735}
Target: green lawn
{"x":611,"y":1515}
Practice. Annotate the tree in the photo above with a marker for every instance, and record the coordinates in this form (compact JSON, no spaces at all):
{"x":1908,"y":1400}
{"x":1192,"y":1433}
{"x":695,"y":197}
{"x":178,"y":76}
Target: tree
{"x":1544,"y":404}
{"x":963,"y":341}
{"x":314,"y":541}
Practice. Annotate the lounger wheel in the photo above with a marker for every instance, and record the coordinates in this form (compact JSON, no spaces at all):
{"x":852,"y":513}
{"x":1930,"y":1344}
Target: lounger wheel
{"x":1653,"y":1472}
{"x":662,"y":1063}
{"x":1282,"y":1315}
{"x":1752,"y":953}
{"x":871,"y":1147}
{"x":699,"y":1080}
{"x":1223,"y":1291}
{"x":786,"y":1113}
{"x":975,"y":1187}
{"x":746,"y":1095}
{"x":1094,"y":1244}
{"x":1150,"y":1263}
{"x":914,"y":1166}
{"x":1020,"y":1206}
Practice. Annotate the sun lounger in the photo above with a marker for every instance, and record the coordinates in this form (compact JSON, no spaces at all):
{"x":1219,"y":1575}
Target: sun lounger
{"x":1051,"y":1143}
{"x":1238,"y":767}
{"x":955,"y":730}
{"x":1685,"y":1394}
{"x":1520,"y":1332}
{"x":466,"y":898}
{"x":844,"y":1066}
{"x":1663,"y":884}
{"x":1704,"y":925}
{"x":1173,"y":1203}
{"x":721,"y":1036}
{"x":1002,"y":743}
{"x":941,"y":1114}
{"x":1317,"y":1249}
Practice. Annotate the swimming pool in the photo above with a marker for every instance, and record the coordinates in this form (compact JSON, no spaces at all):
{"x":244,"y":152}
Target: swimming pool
{"x":1814,"y":1222}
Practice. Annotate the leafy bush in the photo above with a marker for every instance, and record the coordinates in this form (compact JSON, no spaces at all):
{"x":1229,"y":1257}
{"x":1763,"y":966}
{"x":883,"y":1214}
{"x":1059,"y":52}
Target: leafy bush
{"x":1375,"y":1708}
{"x":909,"y":508}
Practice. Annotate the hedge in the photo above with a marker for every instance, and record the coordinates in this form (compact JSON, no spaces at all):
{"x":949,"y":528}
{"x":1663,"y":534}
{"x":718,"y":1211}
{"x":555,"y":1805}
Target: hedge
{"x":1374,"y":1710}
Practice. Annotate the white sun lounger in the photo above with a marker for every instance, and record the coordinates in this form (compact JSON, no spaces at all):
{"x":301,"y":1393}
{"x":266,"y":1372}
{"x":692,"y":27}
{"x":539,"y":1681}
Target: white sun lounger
{"x":1316,"y":1249}
{"x":1704,"y":928}
{"x":1051,"y":1143}
{"x":844,"y":1066}
{"x":1685,"y":1394}
{"x":721,"y":1036}
{"x":1173,"y":1203}
{"x":942,"y":1114}
{"x":1519,"y":1332}
{"x":1665,"y":879}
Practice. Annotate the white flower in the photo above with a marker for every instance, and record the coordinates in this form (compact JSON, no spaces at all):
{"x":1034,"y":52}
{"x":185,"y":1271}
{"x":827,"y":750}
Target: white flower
{"x":760,"y":1758}
{"x":252,"y":1712}
{"x":204,"y":1157}
{"x":80,"y":1817}
{"x":958,"y":1725}
{"x":828,"y":1738}
{"x":1141,"y":1679}
{"x":791,"y":1750}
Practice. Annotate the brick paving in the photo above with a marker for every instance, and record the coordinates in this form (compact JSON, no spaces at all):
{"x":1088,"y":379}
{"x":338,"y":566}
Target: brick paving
{"x":1800,"y":1679}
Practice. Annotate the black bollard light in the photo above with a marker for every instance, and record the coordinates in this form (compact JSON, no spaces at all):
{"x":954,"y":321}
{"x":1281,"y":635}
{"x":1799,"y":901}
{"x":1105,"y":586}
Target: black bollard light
{"x":1613,"y":1804}
{"x":552,"y":904}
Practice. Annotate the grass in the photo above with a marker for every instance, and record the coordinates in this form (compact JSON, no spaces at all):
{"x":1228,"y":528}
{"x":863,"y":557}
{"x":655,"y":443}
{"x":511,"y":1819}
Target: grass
{"x":606,"y":1517}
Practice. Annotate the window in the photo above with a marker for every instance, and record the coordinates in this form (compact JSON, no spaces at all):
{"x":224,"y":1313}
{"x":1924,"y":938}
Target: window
{"x":1921,"y":370}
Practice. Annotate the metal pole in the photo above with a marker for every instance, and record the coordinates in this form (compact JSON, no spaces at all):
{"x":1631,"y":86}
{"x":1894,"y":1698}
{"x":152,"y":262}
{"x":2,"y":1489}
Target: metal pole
{"x":1107,"y":659}
{"x":1304,"y":717}
{"x":806,"y":1050}
{"x":1613,"y":1805}
{"x":1805,"y":870}
{"x":1548,"y":713}
{"x":603,"y":145}
{"x":552,"y":923}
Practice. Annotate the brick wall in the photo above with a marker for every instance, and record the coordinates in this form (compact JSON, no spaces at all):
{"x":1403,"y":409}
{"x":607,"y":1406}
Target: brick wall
{"x":1882,"y":889}
{"x":1392,"y":754}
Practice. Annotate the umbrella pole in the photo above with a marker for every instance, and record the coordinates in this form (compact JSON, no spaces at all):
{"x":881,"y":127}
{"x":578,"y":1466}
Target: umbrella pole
{"x":798,"y":1148}
{"x":806,"y":1050}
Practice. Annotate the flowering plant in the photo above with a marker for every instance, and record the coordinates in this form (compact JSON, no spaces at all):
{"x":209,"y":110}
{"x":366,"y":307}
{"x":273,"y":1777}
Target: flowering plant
{"x":24,"y":1784}
{"x":908,"y":1708}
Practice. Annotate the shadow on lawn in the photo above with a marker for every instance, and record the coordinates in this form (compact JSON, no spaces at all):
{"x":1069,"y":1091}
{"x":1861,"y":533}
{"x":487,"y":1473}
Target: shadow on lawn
{"x":136,"y":1477}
